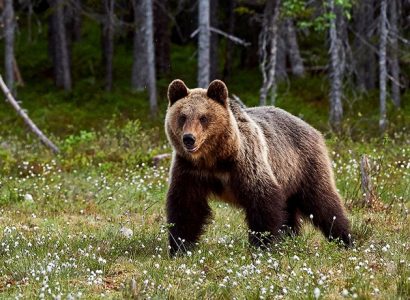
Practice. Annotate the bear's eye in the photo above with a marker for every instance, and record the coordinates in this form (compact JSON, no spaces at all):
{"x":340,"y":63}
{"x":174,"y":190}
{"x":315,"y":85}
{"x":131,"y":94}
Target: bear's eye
{"x":203,"y":119}
{"x":181,"y":120}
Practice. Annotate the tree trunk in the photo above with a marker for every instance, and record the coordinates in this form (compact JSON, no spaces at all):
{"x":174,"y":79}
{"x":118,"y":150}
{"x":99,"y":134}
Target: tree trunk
{"x":296,"y":62}
{"x":162,"y":36}
{"x":214,"y":54}
{"x":108,"y":41}
{"x":336,"y":72}
{"x":77,"y":22}
{"x":281,"y":72}
{"x":150,"y":54}
{"x":365,"y":58}
{"x":74,"y":21}
{"x":9,"y":27}
{"x":59,"y":46}
{"x":268,"y":40}
{"x":343,"y":37}
{"x":204,"y":39}
{"x":229,"y":44}
{"x":139,"y":65}
{"x":394,"y":60}
{"x":382,"y":64}
{"x":29,"y":21}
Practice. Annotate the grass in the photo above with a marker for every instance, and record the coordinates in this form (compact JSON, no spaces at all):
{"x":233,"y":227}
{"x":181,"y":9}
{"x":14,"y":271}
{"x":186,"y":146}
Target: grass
{"x":90,"y":224}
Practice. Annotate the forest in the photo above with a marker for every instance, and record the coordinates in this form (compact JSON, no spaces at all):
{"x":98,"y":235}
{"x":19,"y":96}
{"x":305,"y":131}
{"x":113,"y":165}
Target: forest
{"x":84,"y":159}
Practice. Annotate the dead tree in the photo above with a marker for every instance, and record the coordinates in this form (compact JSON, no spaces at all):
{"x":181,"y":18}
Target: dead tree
{"x":204,"y":39}
{"x":268,"y":46}
{"x":336,"y":71}
{"x":9,"y":28}
{"x":382,"y":64}
{"x":108,"y":41}
{"x":366,"y":182}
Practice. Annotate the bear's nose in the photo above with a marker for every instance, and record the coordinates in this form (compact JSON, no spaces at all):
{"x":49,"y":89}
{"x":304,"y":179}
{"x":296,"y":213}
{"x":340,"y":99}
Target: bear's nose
{"x":189,"y":140}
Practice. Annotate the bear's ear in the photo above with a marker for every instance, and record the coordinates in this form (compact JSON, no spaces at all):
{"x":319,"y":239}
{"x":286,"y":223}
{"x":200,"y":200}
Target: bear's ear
{"x":218,"y":91}
{"x":176,"y":90}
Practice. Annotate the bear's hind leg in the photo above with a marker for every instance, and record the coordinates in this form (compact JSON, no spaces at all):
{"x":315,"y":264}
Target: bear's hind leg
{"x":324,"y":208}
{"x":265,"y":225}
{"x":265,"y":211}
{"x":293,"y":223}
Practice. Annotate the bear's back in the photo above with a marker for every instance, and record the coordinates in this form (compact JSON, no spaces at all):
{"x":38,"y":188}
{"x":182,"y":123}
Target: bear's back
{"x":292,"y":144}
{"x":273,"y":120}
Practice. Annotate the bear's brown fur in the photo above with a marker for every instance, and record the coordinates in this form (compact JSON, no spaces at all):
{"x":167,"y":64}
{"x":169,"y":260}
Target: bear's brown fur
{"x":264,"y":160}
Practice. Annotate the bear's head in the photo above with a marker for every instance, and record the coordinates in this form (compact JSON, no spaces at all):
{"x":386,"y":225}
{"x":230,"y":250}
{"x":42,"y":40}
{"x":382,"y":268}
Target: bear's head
{"x":199,"y":123}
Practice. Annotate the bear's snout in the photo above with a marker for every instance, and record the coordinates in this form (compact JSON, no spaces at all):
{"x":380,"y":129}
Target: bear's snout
{"x":189,"y":141}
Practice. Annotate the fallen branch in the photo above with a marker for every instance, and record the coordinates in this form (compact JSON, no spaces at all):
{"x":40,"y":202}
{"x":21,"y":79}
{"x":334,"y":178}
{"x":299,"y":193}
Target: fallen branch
{"x":224,"y":34}
{"x":27,"y":120}
{"x":157,"y":158}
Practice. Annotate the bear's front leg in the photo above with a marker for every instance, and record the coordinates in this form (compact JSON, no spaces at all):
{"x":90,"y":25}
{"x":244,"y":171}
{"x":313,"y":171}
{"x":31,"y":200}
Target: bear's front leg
{"x":264,"y":205}
{"x":187,"y":211}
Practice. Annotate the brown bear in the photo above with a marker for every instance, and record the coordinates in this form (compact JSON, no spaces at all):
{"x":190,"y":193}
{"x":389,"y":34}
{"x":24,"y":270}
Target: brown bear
{"x":268,"y":162}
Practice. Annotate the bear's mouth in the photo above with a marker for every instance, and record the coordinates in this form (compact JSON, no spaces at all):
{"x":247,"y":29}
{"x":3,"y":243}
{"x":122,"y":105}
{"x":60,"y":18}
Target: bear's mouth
{"x":192,"y":150}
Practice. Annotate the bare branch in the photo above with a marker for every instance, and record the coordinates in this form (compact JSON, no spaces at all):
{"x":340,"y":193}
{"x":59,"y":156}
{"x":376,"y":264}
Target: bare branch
{"x":375,"y":50}
{"x":194,"y":33}
{"x":224,"y":34}
{"x":231,"y":37}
